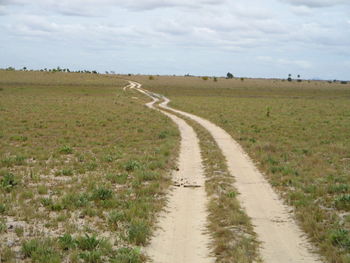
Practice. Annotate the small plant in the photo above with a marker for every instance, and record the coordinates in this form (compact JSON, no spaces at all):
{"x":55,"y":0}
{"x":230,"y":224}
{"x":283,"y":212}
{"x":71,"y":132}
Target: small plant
{"x":163,"y":134}
{"x":114,"y":218}
{"x":151,"y":78}
{"x":215,"y":79}
{"x":66,"y":150}
{"x":132,"y":165}
{"x":138,"y":232}
{"x":8,"y":181}
{"x":117,"y":178}
{"x":102,"y":193}
{"x":94,"y":256}
{"x":340,"y":238}
{"x":2,"y":208}
{"x":268,"y":110}
{"x":75,"y":200}
{"x":242,"y":79}
{"x":40,"y":251}
{"x":2,"y":227}
{"x":128,"y":255}
{"x":343,"y":201}
{"x":42,"y":190}
{"x":19,"y":231}
{"x":67,"y":172}
{"x":67,"y":242}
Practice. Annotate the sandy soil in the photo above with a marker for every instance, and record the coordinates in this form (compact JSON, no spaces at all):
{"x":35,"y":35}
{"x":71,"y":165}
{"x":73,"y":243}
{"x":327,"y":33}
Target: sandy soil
{"x":181,"y":235}
{"x":282,"y":240}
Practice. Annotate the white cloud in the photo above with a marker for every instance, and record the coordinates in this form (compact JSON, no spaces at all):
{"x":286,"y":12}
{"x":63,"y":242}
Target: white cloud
{"x":302,"y":64}
{"x":316,"y":3}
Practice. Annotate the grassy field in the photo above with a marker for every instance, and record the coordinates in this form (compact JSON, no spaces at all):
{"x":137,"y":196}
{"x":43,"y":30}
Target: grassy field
{"x":83,"y":168}
{"x":298,"y":135}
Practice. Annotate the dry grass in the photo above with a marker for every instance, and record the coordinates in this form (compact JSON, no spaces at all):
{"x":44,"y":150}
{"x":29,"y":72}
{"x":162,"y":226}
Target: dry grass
{"x":298,"y":134}
{"x":83,"y":168}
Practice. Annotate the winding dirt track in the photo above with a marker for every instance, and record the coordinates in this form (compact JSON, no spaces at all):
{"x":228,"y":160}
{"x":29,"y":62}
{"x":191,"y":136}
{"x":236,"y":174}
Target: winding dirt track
{"x":181,"y":237}
{"x":282,"y":240}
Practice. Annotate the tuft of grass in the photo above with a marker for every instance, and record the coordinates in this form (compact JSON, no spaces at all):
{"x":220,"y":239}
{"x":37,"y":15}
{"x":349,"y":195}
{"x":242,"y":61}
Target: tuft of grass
{"x":132,"y":165}
{"x":102,"y":193}
{"x":8,"y":181}
{"x":340,"y":238}
{"x":128,"y":255}
{"x":117,"y":178}
{"x":138,"y":232}
{"x":66,"y":149}
{"x":41,"y":251}
{"x":343,"y":202}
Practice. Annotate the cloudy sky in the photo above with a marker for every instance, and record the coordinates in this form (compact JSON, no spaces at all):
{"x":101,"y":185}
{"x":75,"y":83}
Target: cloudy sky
{"x":251,"y":38}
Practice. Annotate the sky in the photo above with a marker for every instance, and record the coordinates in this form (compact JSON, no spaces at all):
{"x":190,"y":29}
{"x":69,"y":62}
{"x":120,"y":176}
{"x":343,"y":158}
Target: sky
{"x":249,"y":38}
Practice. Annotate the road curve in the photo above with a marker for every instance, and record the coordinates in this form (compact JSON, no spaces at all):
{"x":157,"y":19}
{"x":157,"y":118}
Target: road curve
{"x":282,"y":240}
{"x":182,"y":237}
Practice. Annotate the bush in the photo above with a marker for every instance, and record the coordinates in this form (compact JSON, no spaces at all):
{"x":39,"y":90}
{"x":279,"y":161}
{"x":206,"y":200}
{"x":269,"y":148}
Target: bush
{"x":151,"y":78}
{"x":205,"y":78}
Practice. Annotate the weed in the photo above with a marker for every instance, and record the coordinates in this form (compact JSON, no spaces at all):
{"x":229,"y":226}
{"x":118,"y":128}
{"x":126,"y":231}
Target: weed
{"x":115,"y":218}
{"x":75,"y":200}
{"x":163,"y":134}
{"x":132,"y":165}
{"x":2,"y":208}
{"x":8,"y":181}
{"x":67,"y":172}
{"x":94,"y":256}
{"x":102,"y":193}
{"x":343,"y":202}
{"x":66,"y":149}
{"x":340,"y":238}
{"x":19,"y":231}
{"x":88,"y":242}
{"x":138,"y":232}
{"x":117,"y":178}
{"x":67,"y":242}
{"x":40,"y":251}
{"x":3,"y":227}
{"x":128,"y":255}
{"x":42,"y":190}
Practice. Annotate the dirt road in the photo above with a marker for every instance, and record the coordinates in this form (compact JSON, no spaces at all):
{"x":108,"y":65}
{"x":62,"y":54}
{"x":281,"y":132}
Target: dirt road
{"x":282,"y":240}
{"x":181,"y":236}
